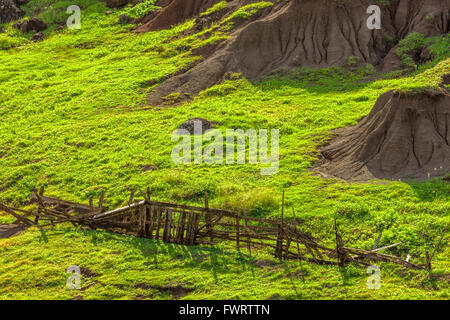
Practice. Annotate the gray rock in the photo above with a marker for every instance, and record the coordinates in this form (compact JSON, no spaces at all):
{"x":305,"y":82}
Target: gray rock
{"x":123,"y":18}
{"x":190,"y":125}
{"x":33,"y":24}
{"x":39,"y":36}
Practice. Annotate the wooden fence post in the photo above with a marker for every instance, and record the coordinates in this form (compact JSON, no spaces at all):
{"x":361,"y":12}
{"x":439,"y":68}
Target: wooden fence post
{"x":41,"y":193}
{"x":180,"y":228}
{"x":144,"y":219}
{"x":249,"y":238}
{"x":158,"y":223}
{"x":428,"y":264}
{"x":238,"y":231}
{"x":196,"y":224}
{"x":295,"y":219}
{"x":91,"y":204}
{"x":167,"y":226}
{"x":130,"y":201}
{"x":280,"y":237}
{"x":208,"y":219}
{"x":339,"y":247}
{"x":100,"y":202}
{"x":152,"y":221}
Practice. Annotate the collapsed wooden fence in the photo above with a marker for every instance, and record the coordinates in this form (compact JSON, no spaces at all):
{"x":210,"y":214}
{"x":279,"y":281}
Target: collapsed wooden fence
{"x":190,"y":225}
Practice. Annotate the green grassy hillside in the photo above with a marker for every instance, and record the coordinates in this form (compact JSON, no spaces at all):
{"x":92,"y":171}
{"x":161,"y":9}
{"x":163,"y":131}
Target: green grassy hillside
{"x":73,"y":118}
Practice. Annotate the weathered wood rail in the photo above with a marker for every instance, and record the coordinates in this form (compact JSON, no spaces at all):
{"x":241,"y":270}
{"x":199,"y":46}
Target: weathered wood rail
{"x":191,"y":225}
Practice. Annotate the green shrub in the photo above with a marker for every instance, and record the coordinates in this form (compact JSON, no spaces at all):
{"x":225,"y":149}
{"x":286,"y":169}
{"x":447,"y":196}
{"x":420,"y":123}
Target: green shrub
{"x":412,"y":42}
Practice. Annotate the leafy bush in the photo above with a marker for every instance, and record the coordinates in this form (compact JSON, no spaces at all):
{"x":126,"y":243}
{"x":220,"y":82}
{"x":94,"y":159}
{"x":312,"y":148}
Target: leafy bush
{"x":412,"y":42}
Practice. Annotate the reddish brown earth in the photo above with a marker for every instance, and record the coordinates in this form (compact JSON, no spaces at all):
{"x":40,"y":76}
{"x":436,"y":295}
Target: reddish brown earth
{"x":405,"y":135}
{"x":174,"y":12}
{"x":299,"y":33}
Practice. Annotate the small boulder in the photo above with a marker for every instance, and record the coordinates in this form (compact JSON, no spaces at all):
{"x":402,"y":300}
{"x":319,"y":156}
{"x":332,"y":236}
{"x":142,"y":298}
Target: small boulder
{"x":39,"y":36}
{"x":33,"y":24}
{"x":109,"y":12}
{"x":202,"y":125}
{"x":124,"y":18}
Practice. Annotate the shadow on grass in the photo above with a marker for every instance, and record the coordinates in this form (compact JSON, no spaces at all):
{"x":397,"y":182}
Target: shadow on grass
{"x":431,"y":190}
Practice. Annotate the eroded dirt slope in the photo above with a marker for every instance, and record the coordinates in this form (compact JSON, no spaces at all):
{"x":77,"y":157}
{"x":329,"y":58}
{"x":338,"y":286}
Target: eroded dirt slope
{"x":300,"y":33}
{"x":405,"y":135}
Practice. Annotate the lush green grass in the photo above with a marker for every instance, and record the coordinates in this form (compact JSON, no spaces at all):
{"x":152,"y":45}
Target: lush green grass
{"x":34,"y":267}
{"x":73,"y":120}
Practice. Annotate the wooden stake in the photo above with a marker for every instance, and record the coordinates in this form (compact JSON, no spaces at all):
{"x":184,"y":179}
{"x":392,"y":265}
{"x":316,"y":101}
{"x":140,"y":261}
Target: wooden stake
{"x":376,"y":242}
{"x":158,"y":224}
{"x":295,"y":219}
{"x":143,"y":210}
{"x":143,"y":195}
{"x":147,"y":222}
{"x":152,"y":221}
{"x":428,"y":264}
{"x":189,"y":229}
{"x":280,"y":237}
{"x":130,"y":201}
{"x":91,"y":203}
{"x":237,"y":231}
{"x":100,"y":203}
{"x":249,"y":238}
{"x":180,"y":228}
{"x":208,"y":219}
{"x":339,"y":247}
{"x":167,"y":226}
